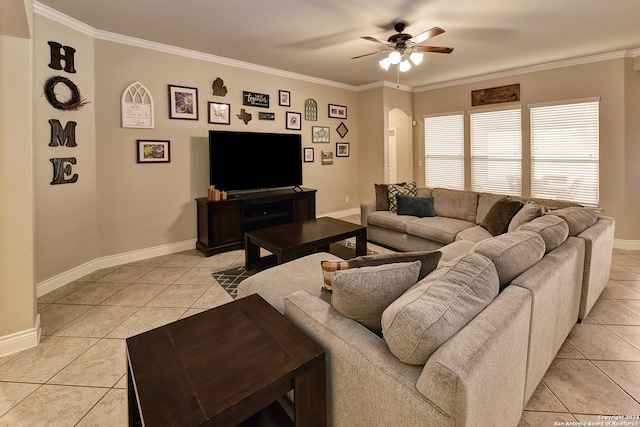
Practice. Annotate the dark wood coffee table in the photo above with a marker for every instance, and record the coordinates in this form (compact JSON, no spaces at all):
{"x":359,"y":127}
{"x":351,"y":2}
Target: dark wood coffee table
{"x":222,"y":367}
{"x":290,"y":241}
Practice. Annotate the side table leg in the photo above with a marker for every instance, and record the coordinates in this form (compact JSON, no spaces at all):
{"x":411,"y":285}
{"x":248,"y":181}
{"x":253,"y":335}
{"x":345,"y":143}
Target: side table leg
{"x":134,"y":411}
{"x":251,"y":253}
{"x":361,"y":242}
{"x":310,"y":397}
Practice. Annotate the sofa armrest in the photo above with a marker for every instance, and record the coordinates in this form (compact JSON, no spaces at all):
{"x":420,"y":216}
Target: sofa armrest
{"x":365,"y":209}
{"x":366,"y":384}
{"x":598,"y":241}
{"x":478,"y":376}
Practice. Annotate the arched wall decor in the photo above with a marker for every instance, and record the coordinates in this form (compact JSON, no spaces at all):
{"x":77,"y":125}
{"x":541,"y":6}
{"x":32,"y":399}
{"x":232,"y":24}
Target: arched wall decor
{"x":311,"y":110}
{"x":137,"y":107}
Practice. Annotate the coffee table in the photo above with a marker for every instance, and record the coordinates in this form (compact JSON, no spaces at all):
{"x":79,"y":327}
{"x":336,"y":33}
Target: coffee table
{"x":290,"y":241}
{"x":223,"y":367}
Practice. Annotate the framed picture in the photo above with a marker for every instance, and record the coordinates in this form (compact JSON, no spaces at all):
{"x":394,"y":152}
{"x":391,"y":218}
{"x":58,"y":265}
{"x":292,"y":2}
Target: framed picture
{"x":342,"y":149}
{"x":183,"y":102}
{"x":327,"y":157}
{"x":284,"y":98}
{"x":342,"y":130}
{"x":153,"y":151}
{"x":308,"y":155}
{"x":320,"y":134}
{"x":219,"y":113}
{"x":294,"y":120}
{"x":337,"y":111}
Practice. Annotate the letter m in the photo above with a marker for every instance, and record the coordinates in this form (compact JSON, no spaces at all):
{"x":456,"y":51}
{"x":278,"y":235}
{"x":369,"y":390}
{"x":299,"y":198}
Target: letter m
{"x":66,"y":136}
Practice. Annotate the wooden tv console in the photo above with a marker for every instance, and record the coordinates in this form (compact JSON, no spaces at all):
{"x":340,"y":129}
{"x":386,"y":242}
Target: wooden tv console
{"x":222,"y":224}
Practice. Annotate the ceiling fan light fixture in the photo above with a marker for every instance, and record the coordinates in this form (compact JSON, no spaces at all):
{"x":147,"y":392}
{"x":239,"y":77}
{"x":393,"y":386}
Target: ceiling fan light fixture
{"x":416,"y":57}
{"x":405,"y":66}
{"x":395,"y":57}
{"x":385,"y":64}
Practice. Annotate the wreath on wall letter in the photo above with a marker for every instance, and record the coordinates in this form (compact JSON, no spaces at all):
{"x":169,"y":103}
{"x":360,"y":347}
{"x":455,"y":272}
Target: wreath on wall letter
{"x":75,"y":103}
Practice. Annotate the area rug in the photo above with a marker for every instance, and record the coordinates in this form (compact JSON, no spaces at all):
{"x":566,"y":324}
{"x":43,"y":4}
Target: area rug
{"x":231,"y":278}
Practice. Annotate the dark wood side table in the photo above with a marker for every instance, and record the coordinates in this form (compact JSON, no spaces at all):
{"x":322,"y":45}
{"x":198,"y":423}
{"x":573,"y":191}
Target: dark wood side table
{"x":223,"y":366}
{"x":290,"y":241}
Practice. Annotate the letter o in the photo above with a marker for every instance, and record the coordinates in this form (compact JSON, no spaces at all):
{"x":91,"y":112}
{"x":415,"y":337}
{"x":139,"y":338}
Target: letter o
{"x":72,"y":103}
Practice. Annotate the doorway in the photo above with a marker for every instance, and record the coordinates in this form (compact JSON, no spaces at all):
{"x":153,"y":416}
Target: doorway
{"x":399,"y":152}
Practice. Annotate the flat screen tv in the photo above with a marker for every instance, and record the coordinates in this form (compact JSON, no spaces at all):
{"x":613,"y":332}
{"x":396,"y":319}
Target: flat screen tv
{"x":242,"y":161}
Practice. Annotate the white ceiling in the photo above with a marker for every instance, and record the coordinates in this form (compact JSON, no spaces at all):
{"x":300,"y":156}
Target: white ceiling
{"x":317,"y":37}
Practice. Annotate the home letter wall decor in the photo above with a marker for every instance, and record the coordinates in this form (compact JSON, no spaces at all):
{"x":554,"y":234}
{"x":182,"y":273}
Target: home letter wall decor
{"x":57,"y":56}
{"x":62,"y":136}
{"x":62,"y":170}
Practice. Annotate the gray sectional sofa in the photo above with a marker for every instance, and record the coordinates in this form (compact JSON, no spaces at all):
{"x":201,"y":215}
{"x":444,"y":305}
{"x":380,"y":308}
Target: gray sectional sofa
{"x":466,"y":345}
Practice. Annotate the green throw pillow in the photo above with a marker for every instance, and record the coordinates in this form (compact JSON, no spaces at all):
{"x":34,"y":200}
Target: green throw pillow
{"x":415,"y":206}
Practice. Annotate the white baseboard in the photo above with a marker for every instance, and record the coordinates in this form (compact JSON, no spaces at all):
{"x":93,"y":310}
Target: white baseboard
{"x":630,"y":245}
{"x":338,"y":214}
{"x":76,"y":273}
{"x":20,"y":340}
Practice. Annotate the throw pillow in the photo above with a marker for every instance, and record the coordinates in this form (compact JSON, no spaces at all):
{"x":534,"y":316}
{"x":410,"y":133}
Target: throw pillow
{"x":328,"y":268}
{"x":382,"y":196}
{"x":435,"y":309}
{"x":409,"y":189}
{"x":415,"y":206}
{"x":578,"y":219}
{"x":362,"y":294}
{"x":499,"y":216}
{"x":553,"y":230}
{"x":528,"y":213}
{"x":428,"y":259}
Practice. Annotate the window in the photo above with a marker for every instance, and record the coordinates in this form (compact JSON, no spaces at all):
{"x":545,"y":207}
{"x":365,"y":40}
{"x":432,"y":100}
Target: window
{"x":496,"y":151}
{"x":564,"y":152}
{"x":444,"y":151}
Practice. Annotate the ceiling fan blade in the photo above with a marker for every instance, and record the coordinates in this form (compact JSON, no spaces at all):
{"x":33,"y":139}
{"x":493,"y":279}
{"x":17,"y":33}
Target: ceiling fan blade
{"x":427,"y":35}
{"x":366,"y":54}
{"x":434,"y":49}
{"x":375,"y":40}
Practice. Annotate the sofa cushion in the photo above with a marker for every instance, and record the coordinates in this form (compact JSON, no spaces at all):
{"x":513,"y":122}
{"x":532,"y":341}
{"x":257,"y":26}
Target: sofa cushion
{"x":455,"y":204}
{"x":330,"y":267}
{"x":512,"y":253}
{"x":499,"y":216}
{"x":578,"y":219}
{"x":437,"y":307}
{"x":390,"y":220}
{"x":485,"y":202}
{"x":428,"y":259}
{"x":409,"y":189}
{"x":382,"y":196}
{"x":474,"y":234}
{"x":416,"y":206}
{"x":437,"y":228}
{"x":553,"y":229}
{"x":362,"y":294}
{"x":529,"y":212}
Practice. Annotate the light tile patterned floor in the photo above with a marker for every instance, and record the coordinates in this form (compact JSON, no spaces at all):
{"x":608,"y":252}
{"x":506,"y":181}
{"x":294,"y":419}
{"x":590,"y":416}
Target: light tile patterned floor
{"x":76,"y":376}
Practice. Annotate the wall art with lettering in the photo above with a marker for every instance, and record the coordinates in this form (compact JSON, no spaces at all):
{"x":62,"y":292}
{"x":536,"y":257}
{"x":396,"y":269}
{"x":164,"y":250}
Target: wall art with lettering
{"x":137,"y":106}
{"x":255,"y":99}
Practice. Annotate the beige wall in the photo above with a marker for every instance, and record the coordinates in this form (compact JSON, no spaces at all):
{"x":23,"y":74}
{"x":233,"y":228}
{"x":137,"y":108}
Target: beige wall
{"x":17,"y":285}
{"x":399,"y":120}
{"x":372,"y":131}
{"x":608,"y":80}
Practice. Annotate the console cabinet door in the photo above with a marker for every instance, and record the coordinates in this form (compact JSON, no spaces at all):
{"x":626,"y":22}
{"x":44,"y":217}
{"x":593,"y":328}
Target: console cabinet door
{"x":220,"y":226}
{"x":304,"y":206}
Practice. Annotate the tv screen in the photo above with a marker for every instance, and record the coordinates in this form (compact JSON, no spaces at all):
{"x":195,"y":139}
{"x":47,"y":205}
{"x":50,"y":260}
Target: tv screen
{"x":252,"y":160}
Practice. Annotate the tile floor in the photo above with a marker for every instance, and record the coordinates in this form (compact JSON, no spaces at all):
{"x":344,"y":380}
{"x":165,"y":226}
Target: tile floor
{"x":76,"y":376}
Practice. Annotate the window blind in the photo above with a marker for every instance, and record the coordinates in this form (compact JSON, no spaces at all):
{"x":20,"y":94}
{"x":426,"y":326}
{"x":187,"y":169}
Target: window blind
{"x":496,"y":151}
{"x":564,"y":152}
{"x":444,"y":151}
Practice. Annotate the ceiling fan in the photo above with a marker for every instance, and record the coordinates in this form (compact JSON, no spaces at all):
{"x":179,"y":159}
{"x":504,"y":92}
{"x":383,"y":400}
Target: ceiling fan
{"x":402,"y":47}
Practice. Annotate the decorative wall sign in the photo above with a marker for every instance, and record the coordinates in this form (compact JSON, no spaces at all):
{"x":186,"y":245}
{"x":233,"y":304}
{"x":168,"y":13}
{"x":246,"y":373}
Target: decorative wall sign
{"x":62,"y":136}
{"x":57,"y":56}
{"x":308,"y":155}
{"x":255,"y":99}
{"x":320,"y":134}
{"x":219,"y":113}
{"x":153,"y":151}
{"x":342,"y":130}
{"x":311,"y":110}
{"x":219,"y":89}
{"x":74,"y":103}
{"x":342,"y":149}
{"x":284,"y":98}
{"x":183,"y":102}
{"x":337,"y":111}
{"x":327,"y":157}
{"x":294,"y":120}
{"x":136,"y":106}
{"x":266,"y":116}
{"x":244,"y":116}
{"x":495,"y":95}
{"x":62,"y":171}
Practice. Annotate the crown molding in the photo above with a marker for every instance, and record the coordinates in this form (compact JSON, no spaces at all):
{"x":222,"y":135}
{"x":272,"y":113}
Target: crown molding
{"x":534,"y":68}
